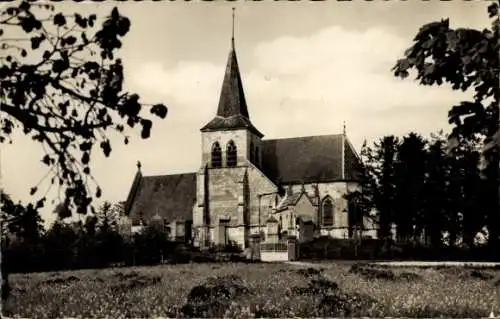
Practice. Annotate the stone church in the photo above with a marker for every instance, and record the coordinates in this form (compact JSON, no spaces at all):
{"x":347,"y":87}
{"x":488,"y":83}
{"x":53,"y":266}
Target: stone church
{"x":247,"y":184}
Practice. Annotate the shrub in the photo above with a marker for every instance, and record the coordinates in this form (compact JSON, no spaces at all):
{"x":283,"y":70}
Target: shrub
{"x":213,"y":297}
{"x":372,"y":273}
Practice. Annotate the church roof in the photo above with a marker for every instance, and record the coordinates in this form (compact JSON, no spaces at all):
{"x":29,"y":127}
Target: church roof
{"x":232,"y":112}
{"x":230,"y":123}
{"x":170,"y":196}
{"x":289,"y":200}
{"x":310,"y":159}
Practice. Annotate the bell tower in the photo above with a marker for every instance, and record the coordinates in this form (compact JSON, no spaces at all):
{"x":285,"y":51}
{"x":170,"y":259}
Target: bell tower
{"x":230,"y":138}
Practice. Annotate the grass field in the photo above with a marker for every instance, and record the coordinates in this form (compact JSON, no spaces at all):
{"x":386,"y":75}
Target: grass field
{"x":254,"y":290}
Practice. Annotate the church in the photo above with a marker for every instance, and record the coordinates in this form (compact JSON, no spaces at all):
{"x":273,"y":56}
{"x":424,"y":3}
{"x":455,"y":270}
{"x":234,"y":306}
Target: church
{"x":247,"y":184}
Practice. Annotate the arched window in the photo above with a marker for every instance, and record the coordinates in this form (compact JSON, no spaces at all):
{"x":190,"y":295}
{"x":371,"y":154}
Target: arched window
{"x":216,"y":155}
{"x":252,"y":152}
{"x":257,"y":156}
{"x":327,"y":212}
{"x":231,"y":154}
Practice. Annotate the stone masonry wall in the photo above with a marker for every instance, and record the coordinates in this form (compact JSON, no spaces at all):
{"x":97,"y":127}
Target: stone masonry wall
{"x":305,"y":209}
{"x":260,"y":184}
{"x":225,"y":194}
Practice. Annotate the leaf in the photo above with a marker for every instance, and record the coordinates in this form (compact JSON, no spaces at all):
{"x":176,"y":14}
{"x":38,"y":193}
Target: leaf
{"x":85,"y":158}
{"x":25,"y":6}
{"x":159,"y":110}
{"x":126,"y":140}
{"x":98,"y":192}
{"x":114,"y":13}
{"x":59,"y":20}
{"x":33,"y":190}
{"x":146,"y":128}
{"x":92,"y":18}
{"x":85,"y":146}
{"x":82,"y":22}
{"x":70,"y":40}
{"x":40,"y":203}
{"x":36,"y":41}
{"x":46,"y":160}
{"x":123,"y":26}
{"x":84,"y":38}
{"x":106,"y":147}
{"x":493,"y":10}
{"x":24,"y":53}
{"x":59,"y":66}
{"x":86,"y":170}
{"x":28,"y":24}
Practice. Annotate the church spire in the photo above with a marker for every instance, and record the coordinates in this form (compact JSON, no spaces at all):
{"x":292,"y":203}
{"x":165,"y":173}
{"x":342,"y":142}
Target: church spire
{"x":232,"y":110}
{"x":232,"y":98}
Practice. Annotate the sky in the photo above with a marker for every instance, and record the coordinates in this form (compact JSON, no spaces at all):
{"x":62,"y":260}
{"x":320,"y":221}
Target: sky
{"x":306,"y":67}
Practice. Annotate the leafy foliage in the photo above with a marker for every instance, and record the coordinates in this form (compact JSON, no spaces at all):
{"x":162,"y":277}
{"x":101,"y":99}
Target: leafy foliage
{"x":424,"y":189}
{"x":410,"y":174}
{"x":466,"y":59}
{"x":23,"y":222}
{"x":62,"y":84}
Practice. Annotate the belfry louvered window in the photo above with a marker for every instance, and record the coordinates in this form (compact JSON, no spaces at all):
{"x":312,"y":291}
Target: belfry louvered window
{"x":216,"y":155}
{"x":231,"y":154}
{"x":327,"y":212}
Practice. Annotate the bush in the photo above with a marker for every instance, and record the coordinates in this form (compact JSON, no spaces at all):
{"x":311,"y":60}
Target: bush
{"x":212,"y":298}
{"x":333,"y":248}
{"x":374,"y":249}
{"x":372,"y":273}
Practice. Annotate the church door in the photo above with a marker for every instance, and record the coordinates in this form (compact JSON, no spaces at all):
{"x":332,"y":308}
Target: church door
{"x":222,"y":232}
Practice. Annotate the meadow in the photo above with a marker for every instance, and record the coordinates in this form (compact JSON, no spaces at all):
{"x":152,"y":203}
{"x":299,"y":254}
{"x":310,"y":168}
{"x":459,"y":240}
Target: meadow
{"x":255,"y":290}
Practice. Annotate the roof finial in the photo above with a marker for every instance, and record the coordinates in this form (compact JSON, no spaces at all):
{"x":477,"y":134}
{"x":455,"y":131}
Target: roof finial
{"x":232,"y":30}
{"x":344,"y":129}
{"x":139,"y":166}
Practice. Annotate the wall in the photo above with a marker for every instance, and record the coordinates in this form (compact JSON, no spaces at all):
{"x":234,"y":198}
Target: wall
{"x":259,"y":184}
{"x":335,"y":232}
{"x":257,"y":143}
{"x":225,"y":194}
{"x":305,"y":209}
{"x":237,"y":235}
{"x":269,"y":256}
{"x":336,"y":190}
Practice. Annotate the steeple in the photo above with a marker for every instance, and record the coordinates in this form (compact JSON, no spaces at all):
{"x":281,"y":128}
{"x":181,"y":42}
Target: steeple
{"x":232,"y":111}
{"x":232,"y":97}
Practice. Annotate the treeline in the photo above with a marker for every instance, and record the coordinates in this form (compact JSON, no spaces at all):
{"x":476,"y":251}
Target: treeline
{"x":433,"y":193}
{"x":93,"y":243}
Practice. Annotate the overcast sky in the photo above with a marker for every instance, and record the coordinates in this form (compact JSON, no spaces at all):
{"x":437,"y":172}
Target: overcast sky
{"x":306,"y":68}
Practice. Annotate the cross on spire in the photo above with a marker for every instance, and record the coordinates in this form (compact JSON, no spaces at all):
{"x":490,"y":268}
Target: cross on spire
{"x":232,"y":29}
{"x":344,"y":128}
{"x":139,"y":165}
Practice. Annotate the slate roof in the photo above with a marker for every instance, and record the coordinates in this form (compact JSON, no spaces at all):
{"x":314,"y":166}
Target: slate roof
{"x":289,"y":200}
{"x":232,"y":112}
{"x":170,"y":196}
{"x":309,"y":159}
{"x":219,"y":123}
